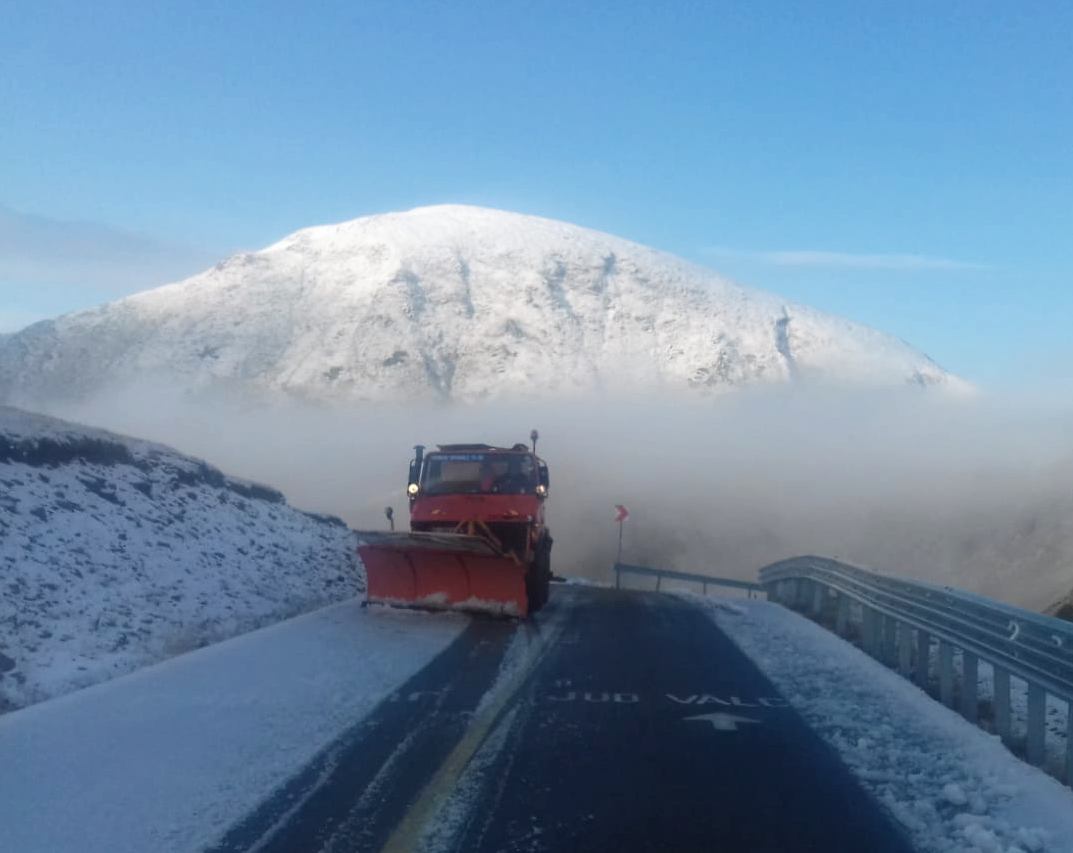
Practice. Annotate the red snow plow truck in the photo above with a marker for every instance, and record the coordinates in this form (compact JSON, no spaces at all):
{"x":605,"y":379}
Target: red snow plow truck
{"x":478,"y":541}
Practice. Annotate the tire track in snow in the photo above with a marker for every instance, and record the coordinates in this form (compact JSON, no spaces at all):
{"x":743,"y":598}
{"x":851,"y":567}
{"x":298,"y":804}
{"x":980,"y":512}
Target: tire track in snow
{"x":446,"y":802}
{"x":358,"y":789}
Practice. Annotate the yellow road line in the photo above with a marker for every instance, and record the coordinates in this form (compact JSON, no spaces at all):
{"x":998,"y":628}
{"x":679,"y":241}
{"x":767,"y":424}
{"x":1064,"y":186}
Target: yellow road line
{"x":412,"y":826}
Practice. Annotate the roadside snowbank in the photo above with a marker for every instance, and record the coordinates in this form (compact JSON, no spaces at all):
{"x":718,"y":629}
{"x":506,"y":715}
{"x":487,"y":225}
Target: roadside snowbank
{"x":172,"y":756}
{"x":116,"y":553}
{"x":955,"y":788}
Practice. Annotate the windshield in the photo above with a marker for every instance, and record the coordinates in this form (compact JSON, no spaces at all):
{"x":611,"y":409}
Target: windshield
{"x":478,"y":473}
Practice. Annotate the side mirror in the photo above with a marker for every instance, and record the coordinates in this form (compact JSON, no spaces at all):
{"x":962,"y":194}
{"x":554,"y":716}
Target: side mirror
{"x":544,"y":482}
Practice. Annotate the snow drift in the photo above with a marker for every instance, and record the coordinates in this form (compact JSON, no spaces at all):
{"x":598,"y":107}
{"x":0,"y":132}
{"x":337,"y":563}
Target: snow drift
{"x":115,"y":553}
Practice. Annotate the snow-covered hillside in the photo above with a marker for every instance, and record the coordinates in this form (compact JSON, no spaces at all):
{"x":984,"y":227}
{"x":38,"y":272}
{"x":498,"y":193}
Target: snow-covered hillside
{"x":449,"y":303}
{"x":115,"y":553}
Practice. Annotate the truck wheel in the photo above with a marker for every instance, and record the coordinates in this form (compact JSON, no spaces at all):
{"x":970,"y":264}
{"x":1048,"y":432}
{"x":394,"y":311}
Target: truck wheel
{"x":545,"y":575}
{"x":534,"y":587}
{"x":543,"y":567}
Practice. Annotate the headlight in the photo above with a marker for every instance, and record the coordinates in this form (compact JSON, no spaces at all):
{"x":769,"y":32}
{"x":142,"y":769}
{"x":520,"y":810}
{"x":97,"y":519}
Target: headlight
{"x":412,"y":489}
{"x":542,"y":490}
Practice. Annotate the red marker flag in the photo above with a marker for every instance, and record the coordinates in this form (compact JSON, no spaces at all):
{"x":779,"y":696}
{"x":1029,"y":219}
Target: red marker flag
{"x":623,"y":513}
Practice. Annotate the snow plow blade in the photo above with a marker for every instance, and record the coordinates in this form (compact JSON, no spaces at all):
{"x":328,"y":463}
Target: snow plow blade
{"x":442,"y":571}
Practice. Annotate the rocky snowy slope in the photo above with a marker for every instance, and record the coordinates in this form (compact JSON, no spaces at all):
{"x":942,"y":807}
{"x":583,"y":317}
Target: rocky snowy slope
{"x":115,"y":553}
{"x":448,"y":303}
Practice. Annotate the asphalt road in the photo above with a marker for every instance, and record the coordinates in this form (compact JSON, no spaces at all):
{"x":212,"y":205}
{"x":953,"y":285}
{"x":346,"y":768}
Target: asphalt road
{"x":640,"y":726}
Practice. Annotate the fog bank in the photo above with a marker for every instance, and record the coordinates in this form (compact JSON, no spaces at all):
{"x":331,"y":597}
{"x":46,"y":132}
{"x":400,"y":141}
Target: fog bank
{"x":973,"y":492}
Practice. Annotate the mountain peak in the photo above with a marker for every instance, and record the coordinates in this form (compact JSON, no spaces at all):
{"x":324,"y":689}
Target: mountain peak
{"x":452,"y":303}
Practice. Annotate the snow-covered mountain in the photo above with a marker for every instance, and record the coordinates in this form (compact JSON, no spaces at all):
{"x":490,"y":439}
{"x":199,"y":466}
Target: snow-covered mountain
{"x":115,"y":553}
{"x":448,"y":303}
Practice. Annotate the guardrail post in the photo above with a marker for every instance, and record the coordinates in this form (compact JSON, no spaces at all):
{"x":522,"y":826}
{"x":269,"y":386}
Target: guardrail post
{"x":969,"y":685}
{"x":1002,"y":704}
{"x":870,"y":627}
{"x":1069,"y":743}
{"x":818,"y":594}
{"x":889,"y":639}
{"x":946,"y":673}
{"x":905,"y":649}
{"x":842,"y":620}
{"x":923,"y":672}
{"x":1037,"y":706}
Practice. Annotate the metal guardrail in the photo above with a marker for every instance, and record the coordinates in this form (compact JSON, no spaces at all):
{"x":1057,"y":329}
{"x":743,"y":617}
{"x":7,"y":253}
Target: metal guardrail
{"x":704,"y":580}
{"x":900,"y":619}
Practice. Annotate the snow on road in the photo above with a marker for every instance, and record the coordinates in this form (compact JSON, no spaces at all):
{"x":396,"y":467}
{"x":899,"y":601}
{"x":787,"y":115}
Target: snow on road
{"x":955,"y":788}
{"x":168,"y":758}
{"x":171,"y":757}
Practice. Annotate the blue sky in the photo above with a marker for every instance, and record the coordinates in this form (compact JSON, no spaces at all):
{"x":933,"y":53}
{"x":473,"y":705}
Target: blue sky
{"x":908,"y":165}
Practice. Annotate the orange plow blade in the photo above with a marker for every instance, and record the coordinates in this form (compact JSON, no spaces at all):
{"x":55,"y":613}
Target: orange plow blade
{"x":441,"y":571}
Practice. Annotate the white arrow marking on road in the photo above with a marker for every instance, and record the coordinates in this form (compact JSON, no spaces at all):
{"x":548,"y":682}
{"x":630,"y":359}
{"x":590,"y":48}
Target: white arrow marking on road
{"x":723,"y":722}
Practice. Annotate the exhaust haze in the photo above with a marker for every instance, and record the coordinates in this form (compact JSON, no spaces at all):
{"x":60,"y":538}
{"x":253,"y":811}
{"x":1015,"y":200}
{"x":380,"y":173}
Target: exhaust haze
{"x":967,"y":492}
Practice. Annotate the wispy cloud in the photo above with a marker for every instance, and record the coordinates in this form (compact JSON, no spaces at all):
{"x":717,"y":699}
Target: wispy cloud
{"x":13,"y":319}
{"x":41,"y":250}
{"x":846,"y":260}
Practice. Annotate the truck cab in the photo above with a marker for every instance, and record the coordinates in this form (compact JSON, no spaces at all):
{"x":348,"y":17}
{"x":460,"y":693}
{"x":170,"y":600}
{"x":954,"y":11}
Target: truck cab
{"x":459,"y":469}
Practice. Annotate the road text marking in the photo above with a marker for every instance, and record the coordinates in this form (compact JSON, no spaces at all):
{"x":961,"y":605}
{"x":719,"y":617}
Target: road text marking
{"x":722,"y":722}
{"x":629,"y":697}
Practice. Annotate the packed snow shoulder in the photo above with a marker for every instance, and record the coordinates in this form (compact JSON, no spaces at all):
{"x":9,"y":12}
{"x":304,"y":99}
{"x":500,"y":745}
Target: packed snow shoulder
{"x":449,"y":303}
{"x":115,"y":553}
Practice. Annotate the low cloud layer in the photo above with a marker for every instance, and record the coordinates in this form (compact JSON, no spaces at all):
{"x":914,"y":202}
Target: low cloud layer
{"x":848,"y":260}
{"x":967,"y":492}
{"x":38,"y":250}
